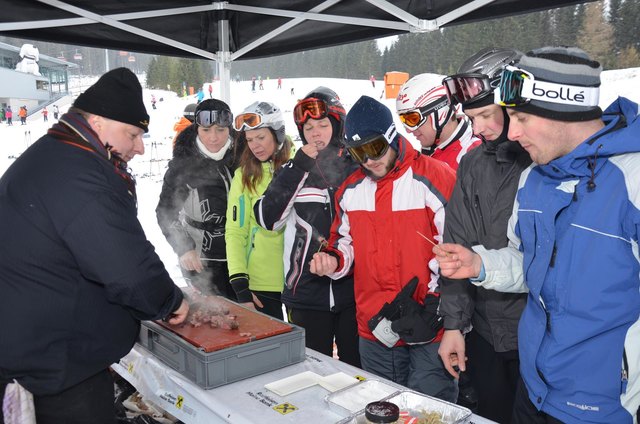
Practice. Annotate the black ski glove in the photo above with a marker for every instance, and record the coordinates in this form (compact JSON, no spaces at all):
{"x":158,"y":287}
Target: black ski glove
{"x":240,"y":284}
{"x":418,"y":324}
{"x":380,"y":324}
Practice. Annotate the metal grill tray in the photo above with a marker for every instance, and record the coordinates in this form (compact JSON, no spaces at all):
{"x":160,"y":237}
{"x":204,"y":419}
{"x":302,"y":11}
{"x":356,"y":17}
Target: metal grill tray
{"x":415,"y":403}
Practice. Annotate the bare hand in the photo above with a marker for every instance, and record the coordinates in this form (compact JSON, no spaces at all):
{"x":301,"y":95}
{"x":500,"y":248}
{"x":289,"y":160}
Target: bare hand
{"x":457,"y":261}
{"x":179,"y":315}
{"x":254,"y":303}
{"x":310,"y":149}
{"x":323,"y":264}
{"x":452,"y":348}
{"x":191,"y":261}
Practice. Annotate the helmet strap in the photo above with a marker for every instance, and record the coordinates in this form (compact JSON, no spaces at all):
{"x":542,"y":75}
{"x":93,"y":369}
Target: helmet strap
{"x":436,"y":123}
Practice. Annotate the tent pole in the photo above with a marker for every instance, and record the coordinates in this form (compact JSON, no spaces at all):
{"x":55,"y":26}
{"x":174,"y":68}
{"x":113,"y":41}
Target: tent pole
{"x":223,"y":61}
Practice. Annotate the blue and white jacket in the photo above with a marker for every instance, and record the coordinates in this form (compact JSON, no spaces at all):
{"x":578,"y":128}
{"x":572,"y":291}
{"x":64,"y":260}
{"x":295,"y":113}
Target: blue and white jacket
{"x":574,"y":247}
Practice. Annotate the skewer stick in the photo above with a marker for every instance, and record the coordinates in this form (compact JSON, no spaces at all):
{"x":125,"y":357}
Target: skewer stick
{"x":426,"y":238}
{"x":430,"y":241}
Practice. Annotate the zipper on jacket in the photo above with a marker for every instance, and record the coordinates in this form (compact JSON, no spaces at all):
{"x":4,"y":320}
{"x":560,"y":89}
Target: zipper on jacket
{"x":625,"y":372}
{"x":547,"y":314}
{"x":552,"y":262}
{"x":251,"y":245}
{"x":476,"y":203}
{"x":331,"y":191}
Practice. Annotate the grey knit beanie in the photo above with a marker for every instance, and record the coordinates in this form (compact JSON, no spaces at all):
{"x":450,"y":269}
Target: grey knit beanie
{"x":562,"y":65}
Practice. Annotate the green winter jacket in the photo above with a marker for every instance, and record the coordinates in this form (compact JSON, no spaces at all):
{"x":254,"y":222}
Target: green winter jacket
{"x":251,"y":249}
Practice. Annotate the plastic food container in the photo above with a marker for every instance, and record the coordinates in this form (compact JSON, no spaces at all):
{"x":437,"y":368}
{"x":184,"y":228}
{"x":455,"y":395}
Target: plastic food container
{"x":434,"y":411}
{"x":353,"y":399}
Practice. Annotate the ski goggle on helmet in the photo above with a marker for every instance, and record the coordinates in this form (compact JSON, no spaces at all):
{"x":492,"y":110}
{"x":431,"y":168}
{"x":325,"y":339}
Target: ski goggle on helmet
{"x":464,"y":88}
{"x":518,"y":87}
{"x":247,"y":121}
{"x":421,"y":98}
{"x":416,"y":118}
{"x":261,"y":115}
{"x":209,"y":118}
{"x":312,"y":108}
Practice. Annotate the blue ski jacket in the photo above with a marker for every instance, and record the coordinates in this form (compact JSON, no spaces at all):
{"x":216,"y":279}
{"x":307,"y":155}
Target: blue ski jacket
{"x":576,"y":222}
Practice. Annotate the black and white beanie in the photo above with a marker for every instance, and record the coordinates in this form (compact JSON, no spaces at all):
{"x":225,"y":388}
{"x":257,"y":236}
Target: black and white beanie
{"x":569,"y":66}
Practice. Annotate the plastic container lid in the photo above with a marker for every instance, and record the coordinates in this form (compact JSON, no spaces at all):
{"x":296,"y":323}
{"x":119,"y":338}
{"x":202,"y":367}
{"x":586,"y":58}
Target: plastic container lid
{"x":382,"y":412}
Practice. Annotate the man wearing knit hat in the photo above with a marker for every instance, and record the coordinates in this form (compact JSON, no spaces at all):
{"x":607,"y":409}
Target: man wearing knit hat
{"x":77,"y":273}
{"x":384,"y":212}
{"x":573,"y":243}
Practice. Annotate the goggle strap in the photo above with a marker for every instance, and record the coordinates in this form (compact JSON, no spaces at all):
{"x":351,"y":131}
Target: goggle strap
{"x":543,"y":91}
{"x":390,"y":135}
{"x":560,"y":93}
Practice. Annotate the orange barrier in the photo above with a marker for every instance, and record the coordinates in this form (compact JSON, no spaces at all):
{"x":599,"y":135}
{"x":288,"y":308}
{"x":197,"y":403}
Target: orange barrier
{"x":392,"y":82}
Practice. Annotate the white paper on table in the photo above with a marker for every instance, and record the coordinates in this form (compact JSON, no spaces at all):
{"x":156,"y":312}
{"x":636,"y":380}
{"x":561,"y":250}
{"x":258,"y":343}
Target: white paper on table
{"x":337,"y":381}
{"x":294,"y":383}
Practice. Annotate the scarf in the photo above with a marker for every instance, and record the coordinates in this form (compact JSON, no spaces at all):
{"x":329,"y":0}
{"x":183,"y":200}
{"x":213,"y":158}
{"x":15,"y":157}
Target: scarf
{"x":215,"y":156}
{"x":74,"y":130}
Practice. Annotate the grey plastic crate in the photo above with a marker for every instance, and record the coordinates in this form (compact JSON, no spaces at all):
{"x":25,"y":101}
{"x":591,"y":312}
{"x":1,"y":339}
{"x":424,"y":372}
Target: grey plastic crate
{"x":213,"y":369}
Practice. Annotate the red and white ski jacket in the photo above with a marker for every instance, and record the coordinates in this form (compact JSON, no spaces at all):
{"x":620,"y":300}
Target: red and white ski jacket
{"x":377,"y":225}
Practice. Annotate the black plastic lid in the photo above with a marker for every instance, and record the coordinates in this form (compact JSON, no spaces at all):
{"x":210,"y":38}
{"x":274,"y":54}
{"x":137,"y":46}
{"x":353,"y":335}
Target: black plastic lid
{"x":382,"y":412}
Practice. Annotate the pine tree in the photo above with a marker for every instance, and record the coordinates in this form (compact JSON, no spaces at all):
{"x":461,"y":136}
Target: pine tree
{"x":596,"y":36}
{"x":628,"y":58}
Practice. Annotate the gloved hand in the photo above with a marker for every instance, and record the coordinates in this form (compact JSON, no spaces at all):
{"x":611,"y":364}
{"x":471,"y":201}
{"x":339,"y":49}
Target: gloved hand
{"x":418,"y":323}
{"x":240,"y":284}
{"x":380,"y":324}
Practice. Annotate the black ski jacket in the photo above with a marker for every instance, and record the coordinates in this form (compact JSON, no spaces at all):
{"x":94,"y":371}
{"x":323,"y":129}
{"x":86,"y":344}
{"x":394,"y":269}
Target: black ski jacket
{"x":301,"y":197}
{"x":77,"y":273}
{"x":192,"y":208}
{"x":478,"y":213}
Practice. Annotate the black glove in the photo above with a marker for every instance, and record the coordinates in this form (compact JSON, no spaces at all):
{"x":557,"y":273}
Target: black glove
{"x":240,"y":284}
{"x":418,"y":323}
{"x":380,"y":324}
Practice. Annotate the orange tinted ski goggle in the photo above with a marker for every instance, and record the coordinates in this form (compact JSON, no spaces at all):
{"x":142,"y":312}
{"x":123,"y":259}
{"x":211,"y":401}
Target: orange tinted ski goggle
{"x":310,"y":109}
{"x":247,"y":121}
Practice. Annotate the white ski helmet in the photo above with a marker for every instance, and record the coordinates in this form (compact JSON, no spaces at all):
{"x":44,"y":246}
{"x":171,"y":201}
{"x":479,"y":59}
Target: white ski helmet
{"x":421,"y":94}
{"x":270,"y":117}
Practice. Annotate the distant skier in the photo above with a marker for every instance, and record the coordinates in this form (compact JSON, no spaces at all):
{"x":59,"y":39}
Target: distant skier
{"x":9,"y":115}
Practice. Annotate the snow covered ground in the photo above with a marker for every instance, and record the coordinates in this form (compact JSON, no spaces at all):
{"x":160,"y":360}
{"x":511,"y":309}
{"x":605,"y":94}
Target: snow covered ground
{"x":150,"y":167}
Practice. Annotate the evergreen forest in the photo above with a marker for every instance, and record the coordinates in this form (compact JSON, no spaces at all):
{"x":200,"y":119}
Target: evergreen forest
{"x":606,"y":30}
